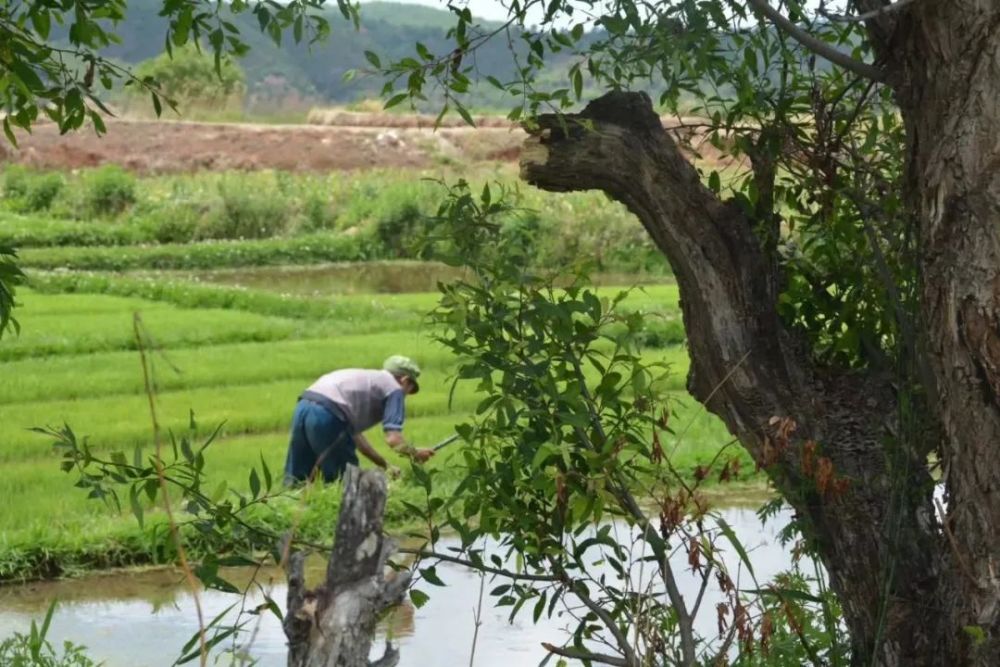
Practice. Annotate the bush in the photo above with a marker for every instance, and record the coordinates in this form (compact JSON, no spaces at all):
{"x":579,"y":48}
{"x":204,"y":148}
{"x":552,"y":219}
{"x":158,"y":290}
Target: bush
{"x":319,"y":215}
{"x":15,"y":182}
{"x":247,"y":214}
{"x":42,"y":191}
{"x":176,"y":224}
{"x":109,"y":190}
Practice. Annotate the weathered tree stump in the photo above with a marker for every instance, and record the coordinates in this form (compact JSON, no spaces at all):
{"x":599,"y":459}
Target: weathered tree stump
{"x":333,"y":625}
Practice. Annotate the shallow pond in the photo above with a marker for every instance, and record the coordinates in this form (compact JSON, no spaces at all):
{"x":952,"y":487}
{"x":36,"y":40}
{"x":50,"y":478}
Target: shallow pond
{"x":142,"y":619}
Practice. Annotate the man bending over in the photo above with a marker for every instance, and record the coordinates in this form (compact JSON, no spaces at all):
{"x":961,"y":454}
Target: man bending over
{"x":332,"y":415}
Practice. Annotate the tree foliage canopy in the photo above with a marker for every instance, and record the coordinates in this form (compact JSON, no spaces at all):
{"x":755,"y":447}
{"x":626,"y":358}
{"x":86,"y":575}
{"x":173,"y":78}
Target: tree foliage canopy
{"x":189,"y":77}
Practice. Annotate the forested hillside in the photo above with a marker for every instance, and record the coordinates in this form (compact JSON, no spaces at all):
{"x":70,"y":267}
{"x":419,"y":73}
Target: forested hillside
{"x":278,"y":75}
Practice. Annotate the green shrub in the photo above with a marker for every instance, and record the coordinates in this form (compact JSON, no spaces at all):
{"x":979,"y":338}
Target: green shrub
{"x":317,"y":212}
{"x":176,"y":224}
{"x":402,"y":233}
{"x":42,"y":191}
{"x":15,"y":182}
{"x":248,"y":213}
{"x":109,"y":190}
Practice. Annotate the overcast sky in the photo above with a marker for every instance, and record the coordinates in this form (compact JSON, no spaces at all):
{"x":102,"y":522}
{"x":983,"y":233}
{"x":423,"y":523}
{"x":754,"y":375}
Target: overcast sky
{"x":494,"y":10}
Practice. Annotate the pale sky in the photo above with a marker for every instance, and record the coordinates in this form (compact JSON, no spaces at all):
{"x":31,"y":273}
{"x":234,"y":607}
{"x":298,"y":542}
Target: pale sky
{"x":491,"y":10}
{"x":494,"y":10}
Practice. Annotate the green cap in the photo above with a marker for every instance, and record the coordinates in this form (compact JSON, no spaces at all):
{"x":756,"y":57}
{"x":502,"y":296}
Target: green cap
{"x":399,"y":365}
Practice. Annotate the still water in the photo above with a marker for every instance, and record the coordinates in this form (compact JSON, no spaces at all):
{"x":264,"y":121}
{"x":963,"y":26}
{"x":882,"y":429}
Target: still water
{"x":141,"y":619}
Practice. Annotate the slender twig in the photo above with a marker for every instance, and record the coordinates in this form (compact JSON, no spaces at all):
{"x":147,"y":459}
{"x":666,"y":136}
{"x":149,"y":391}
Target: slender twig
{"x":702,"y":588}
{"x":480,"y":567}
{"x":816,"y":45}
{"x":164,"y":489}
{"x":711,"y":394}
{"x":477,"y":615}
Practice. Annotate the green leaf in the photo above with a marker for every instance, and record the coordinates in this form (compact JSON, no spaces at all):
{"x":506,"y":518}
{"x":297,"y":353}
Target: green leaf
{"x":373,"y":58}
{"x":731,"y":536}
{"x":133,"y":497}
{"x":9,"y":132}
{"x":714,"y":182}
{"x":254,"y":483}
{"x":429,"y":575}
{"x":418,"y":598}
{"x":395,"y":100}
{"x":41,"y":21}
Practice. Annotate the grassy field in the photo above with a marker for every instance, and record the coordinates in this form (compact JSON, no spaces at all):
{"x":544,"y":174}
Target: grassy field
{"x":75,"y":363}
{"x":238,"y":286}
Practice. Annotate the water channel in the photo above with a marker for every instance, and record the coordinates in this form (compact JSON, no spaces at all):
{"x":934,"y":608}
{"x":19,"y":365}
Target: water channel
{"x":141,"y":619}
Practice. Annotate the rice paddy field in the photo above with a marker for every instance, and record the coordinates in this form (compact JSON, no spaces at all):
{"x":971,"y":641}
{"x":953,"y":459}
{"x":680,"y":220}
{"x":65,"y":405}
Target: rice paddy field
{"x":233,"y":344}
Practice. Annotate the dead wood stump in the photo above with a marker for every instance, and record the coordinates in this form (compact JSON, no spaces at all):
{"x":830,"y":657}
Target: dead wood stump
{"x":333,"y":625}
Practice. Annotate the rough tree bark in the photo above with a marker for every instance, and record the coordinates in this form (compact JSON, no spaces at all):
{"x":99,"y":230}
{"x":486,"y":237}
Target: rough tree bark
{"x":333,"y":625}
{"x":943,"y":61}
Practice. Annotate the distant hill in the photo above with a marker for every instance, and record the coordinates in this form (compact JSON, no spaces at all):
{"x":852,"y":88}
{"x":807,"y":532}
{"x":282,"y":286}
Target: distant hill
{"x":290,"y":73}
{"x":296,"y":75}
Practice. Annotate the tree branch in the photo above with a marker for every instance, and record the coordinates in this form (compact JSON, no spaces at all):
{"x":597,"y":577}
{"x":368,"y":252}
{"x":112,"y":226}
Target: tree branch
{"x":479,"y":567}
{"x":816,"y":45}
{"x":579,"y":654}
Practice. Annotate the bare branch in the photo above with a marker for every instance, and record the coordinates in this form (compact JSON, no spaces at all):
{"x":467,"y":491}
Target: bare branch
{"x":479,"y":567}
{"x":874,"y":14}
{"x":817,"y":46}
{"x":578,"y":654}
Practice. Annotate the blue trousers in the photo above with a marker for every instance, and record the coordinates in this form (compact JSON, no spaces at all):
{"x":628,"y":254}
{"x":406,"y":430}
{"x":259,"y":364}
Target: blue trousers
{"x":318,"y":440}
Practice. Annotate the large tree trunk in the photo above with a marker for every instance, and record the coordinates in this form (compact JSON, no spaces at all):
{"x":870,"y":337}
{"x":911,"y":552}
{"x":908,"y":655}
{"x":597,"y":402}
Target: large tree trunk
{"x":944,"y":63}
{"x":872,"y":519}
{"x":333,"y":625}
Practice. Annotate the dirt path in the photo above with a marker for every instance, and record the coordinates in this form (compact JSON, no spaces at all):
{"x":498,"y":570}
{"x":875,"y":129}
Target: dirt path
{"x":181,"y":146}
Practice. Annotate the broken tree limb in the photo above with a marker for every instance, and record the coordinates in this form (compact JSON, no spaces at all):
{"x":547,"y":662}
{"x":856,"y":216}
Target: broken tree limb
{"x":333,"y":625}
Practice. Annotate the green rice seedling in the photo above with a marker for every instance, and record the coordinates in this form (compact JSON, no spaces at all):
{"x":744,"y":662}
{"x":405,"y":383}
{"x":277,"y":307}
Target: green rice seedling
{"x":114,"y":373}
{"x":54,"y":334}
{"x":207,"y":255}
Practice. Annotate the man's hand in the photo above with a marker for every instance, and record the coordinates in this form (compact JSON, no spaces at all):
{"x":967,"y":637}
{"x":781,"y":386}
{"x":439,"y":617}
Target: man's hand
{"x":421,"y":455}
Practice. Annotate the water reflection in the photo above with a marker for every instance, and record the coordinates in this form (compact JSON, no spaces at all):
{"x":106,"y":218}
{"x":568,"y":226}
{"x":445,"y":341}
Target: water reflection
{"x":142,"y":619}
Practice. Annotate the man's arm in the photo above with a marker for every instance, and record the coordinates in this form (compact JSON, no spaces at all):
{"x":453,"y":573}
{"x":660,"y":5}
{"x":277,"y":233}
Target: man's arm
{"x":369,"y":452}
{"x":395,"y":440}
{"x":392,"y":425}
